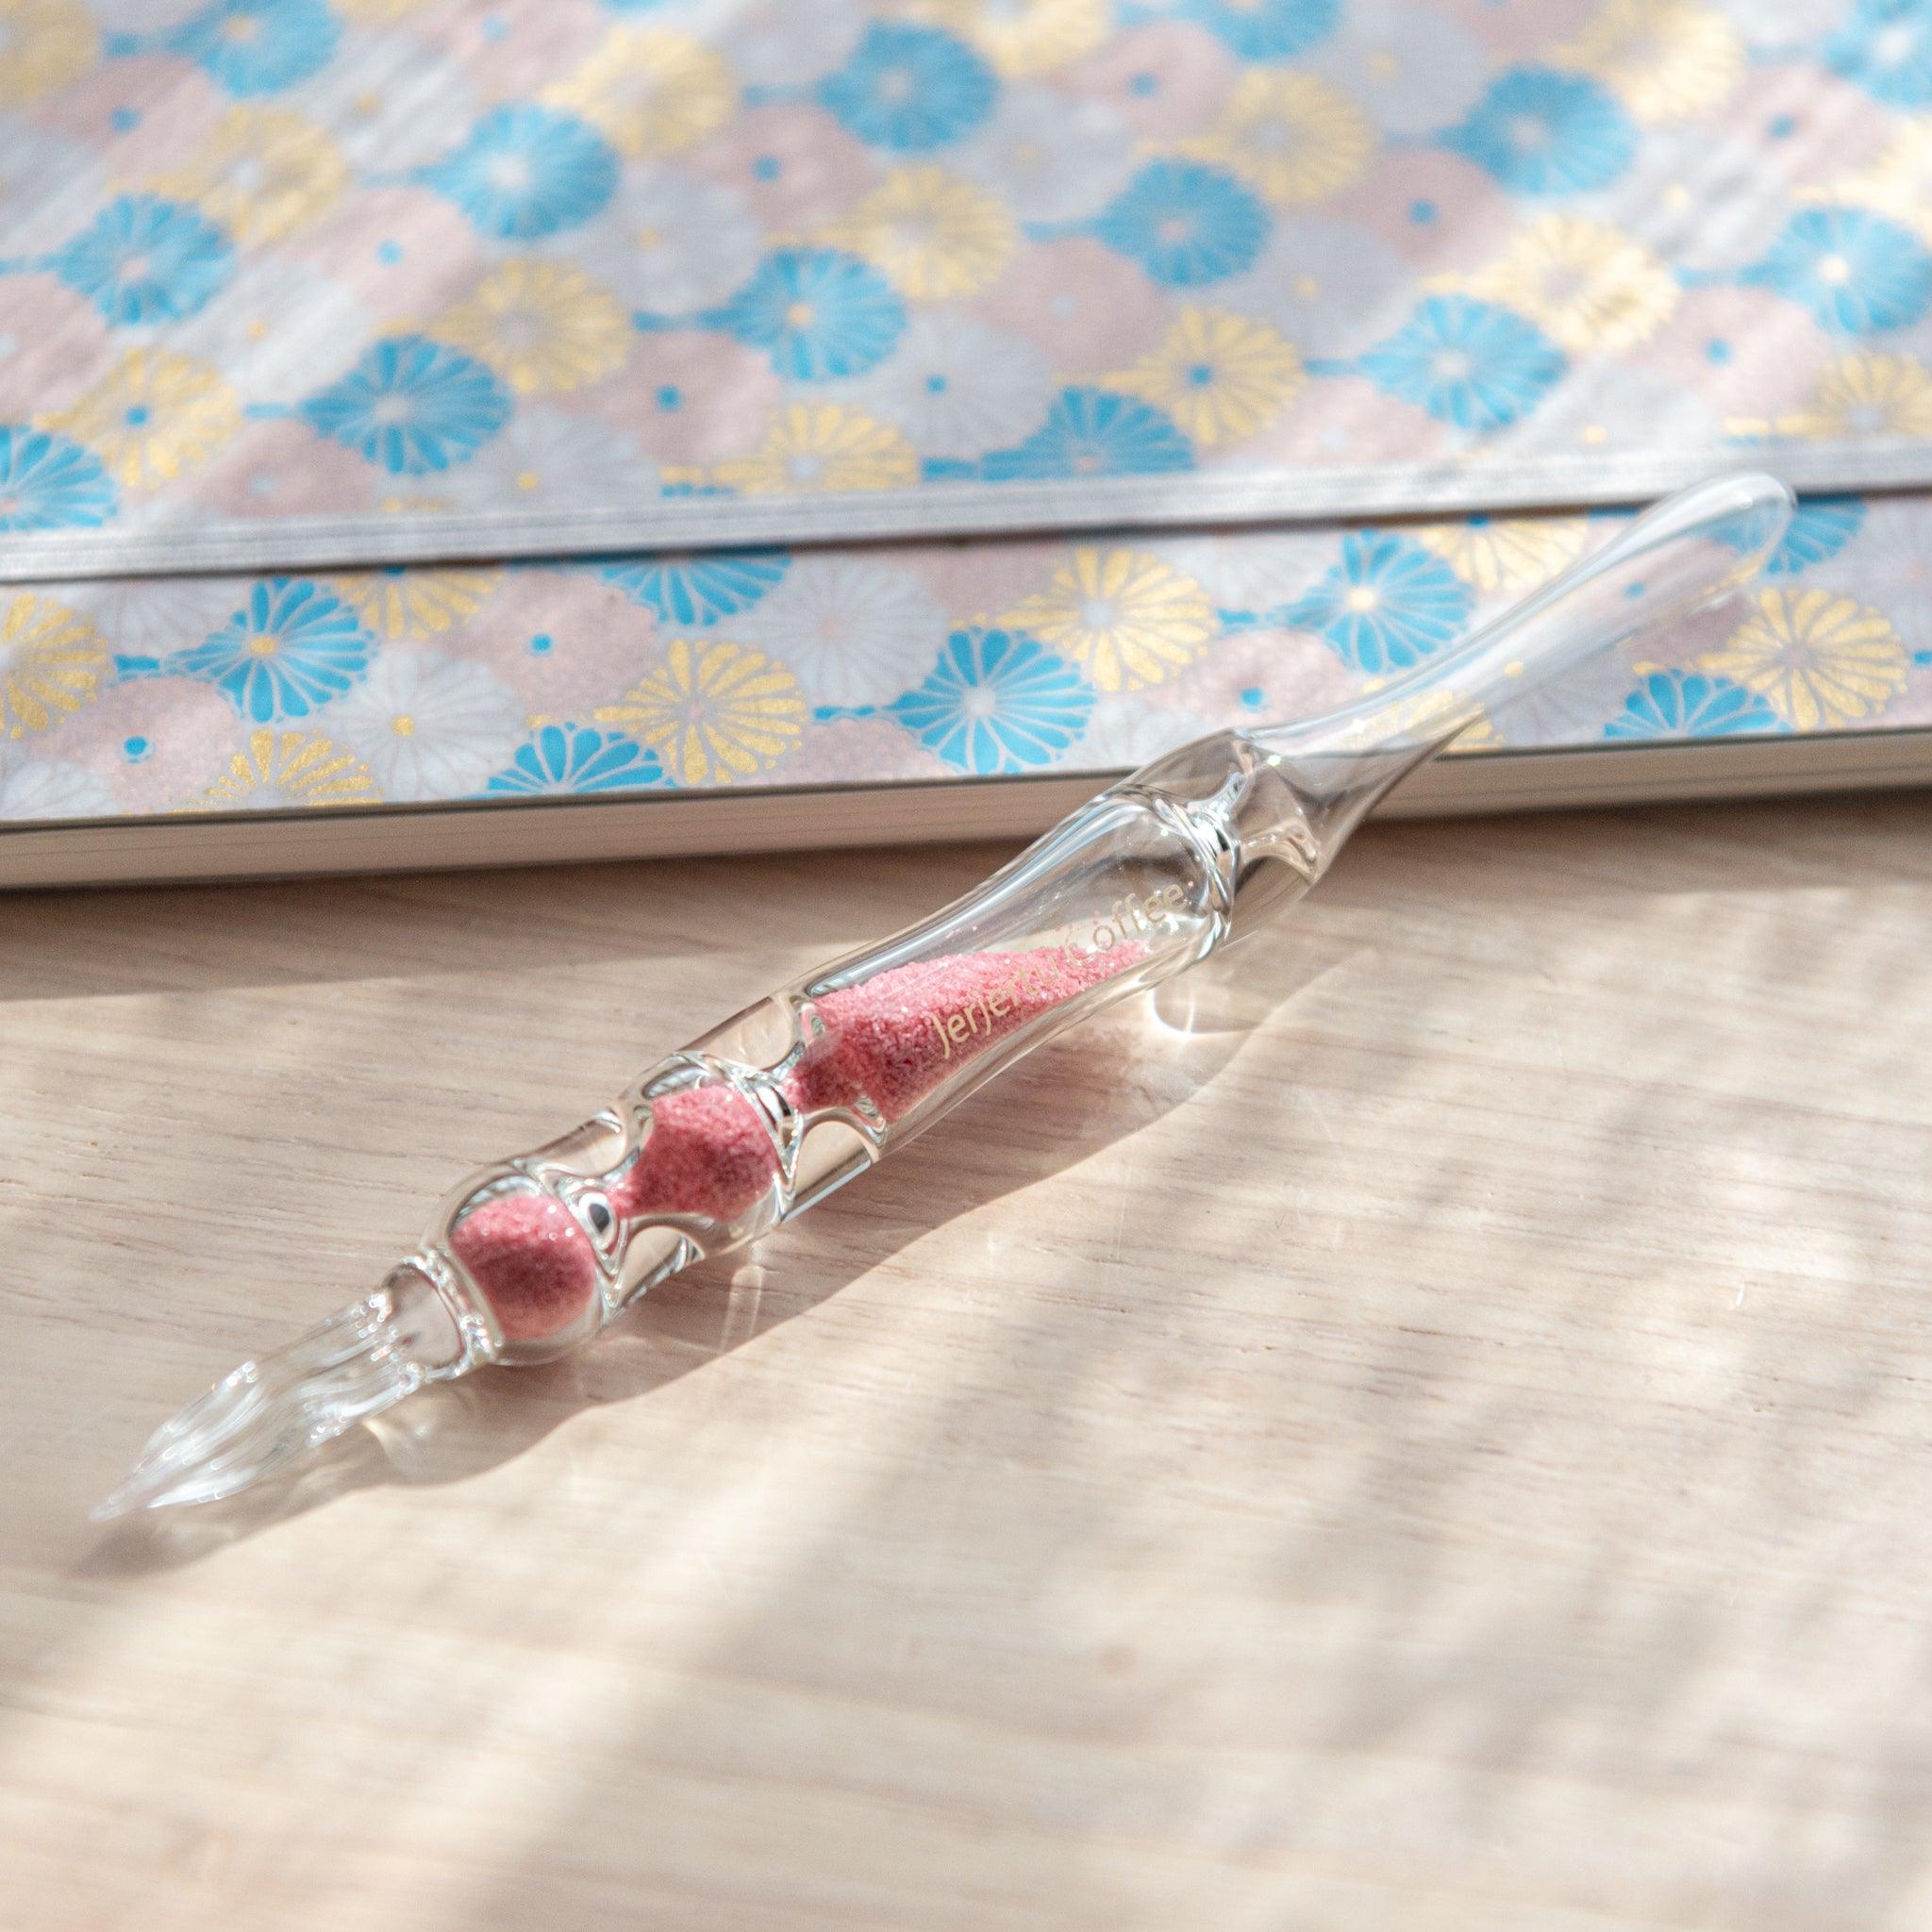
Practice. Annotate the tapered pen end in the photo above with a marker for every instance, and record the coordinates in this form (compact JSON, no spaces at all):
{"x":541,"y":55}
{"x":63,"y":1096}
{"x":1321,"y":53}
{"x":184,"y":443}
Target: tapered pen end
{"x":267,"y":1413}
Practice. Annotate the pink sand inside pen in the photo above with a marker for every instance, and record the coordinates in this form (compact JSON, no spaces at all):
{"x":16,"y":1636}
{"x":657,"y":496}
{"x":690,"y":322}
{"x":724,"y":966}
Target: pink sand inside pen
{"x":706,"y":1153}
{"x":898,"y":1035}
{"x":531,"y":1259}
{"x":893,"y":1039}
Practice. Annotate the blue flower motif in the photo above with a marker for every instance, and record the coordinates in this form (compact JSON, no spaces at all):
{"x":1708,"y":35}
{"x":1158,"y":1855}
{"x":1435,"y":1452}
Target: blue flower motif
{"x":145,"y":260}
{"x":1542,"y":132}
{"x":1820,"y":526}
{"x":996,"y":701}
{"x":817,"y":312}
{"x":256,"y":46}
{"x":1094,"y":432}
{"x":525,"y":172}
{"x":48,"y":483}
{"x":290,"y":649}
{"x":1265,"y":30}
{"x":1185,"y":223}
{"x":1854,"y":272}
{"x":561,"y":760}
{"x":696,"y":590}
{"x":1689,"y":703}
{"x":1386,"y":605}
{"x":1467,"y":363}
{"x":1887,"y":48}
{"x":412,"y":406}
{"x":909,"y":88}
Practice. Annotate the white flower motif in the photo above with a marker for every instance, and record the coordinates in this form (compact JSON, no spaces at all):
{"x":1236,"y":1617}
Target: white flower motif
{"x":670,"y":243}
{"x":1255,"y":571}
{"x":1411,"y":68}
{"x":1603,"y":405}
{"x":148,"y":617}
{"x":1707,"y":194}
{"x":956,"y":388}
{"x":1327,"y":285}
{"x":784,"y":42}
{"x":273,"y":326}
{"x":390,"y":101}
{"x":546,"y":460}
{"x":1570,"y":709}
{"x":141,"y":16}
{"x":50,"y":188}
{"x":1048,"y":156}
{"x":855,"y":632}
{"x":39,"y":788}
{"x":1125,"y":732}
{"x":1778,"y":24}
{"x":1888,"y":565}
{"x":427,"y":726}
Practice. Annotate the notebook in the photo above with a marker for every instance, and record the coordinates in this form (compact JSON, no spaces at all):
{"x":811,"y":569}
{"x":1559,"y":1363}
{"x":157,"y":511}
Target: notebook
{"x":475,"y":713}
{"x":439,"y":431}
{"x":312,"y":283}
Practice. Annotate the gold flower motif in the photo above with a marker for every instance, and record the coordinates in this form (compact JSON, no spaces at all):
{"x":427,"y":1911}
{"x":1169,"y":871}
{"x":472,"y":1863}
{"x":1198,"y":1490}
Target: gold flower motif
{"x":1589,"y":284}
{"x":52,"y":660}
{"x":545,"y":327}
{"x":1816,"y":658}
{"x":1480,"y":734}
{"x":288,"y":770}
{"x":935,"y":237}
{"x":1219,"y":377}
{"x":1667,"y":59}
{"x":1898,"y":183}
{"x":155,"y":417}
{"x":1861,"y":395}
{"x":1506,"y":553}
{"x":821,"y":446}
{"x":1129,"y":618}
{"x":407,"y":604}
{"x":713,"y":712}
{"x":653,"y":92}
{"x":1291,"y":136}
{"x":262,"y":172}
{"x":43,"y":45}
{"x":1023,"y":38}
{"x":1421,"y":717}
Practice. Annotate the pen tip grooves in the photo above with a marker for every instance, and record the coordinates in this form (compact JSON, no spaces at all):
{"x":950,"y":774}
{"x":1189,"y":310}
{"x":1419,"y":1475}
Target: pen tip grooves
{"x":264,"y":1414}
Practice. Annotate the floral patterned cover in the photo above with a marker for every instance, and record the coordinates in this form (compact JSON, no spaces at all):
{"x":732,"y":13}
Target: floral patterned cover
{"x":134,"y":696}
{"x":301,"y":283}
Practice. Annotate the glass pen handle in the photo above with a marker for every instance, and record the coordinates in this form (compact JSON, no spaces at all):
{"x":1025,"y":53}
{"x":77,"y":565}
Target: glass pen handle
{"x":716,"y":1143}
{"x":770,"y":1112}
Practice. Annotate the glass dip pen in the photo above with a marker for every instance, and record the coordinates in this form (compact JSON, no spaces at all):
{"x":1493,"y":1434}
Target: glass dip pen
{"x":768,"y":1114}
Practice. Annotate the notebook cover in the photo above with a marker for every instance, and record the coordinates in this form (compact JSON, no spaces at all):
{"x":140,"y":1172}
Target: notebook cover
{"x":289,"y":284}
{"x":135,"y":697}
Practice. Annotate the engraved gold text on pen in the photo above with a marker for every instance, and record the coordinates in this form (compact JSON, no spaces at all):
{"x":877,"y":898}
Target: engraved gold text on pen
{"x":1126,"y":917}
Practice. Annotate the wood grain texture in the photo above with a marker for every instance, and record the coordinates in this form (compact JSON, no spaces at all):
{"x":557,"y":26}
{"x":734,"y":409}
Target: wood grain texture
{"x":1423,"y":1426}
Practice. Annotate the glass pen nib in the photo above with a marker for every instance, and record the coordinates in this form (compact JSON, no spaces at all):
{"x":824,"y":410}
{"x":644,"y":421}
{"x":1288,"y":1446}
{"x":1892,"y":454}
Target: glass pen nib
{"x":268,"y":1412}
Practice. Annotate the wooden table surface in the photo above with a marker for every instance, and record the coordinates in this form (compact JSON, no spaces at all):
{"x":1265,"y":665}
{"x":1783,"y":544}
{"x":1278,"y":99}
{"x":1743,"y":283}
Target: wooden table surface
{"x":1422,"y":1428}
